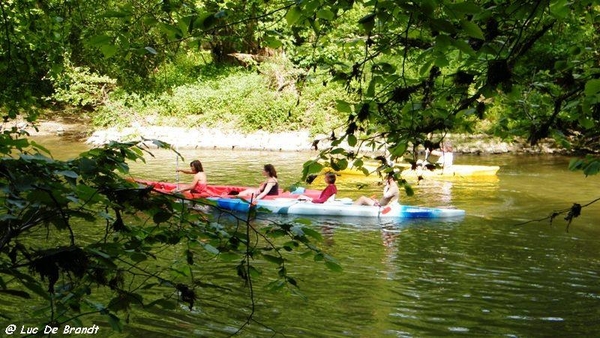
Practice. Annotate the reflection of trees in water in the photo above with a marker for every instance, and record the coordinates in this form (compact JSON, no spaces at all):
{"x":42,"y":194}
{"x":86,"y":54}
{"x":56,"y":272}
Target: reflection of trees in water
{"x":327,"y":232}
{"x":452,"y":191}
{"x":388,"y":236}
{"x":436,"y":192}
{"x":445,"y":192}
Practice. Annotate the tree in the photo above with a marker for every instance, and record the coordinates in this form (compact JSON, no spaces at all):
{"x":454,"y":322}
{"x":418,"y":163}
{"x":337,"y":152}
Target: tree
{"x":414,"y":68}
{"x":134,"y":239}
{"x":434,"y":67}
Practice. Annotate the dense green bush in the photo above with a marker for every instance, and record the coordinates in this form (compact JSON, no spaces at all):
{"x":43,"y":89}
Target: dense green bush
{"x":79,"y":86}
{"x":272,"y":97}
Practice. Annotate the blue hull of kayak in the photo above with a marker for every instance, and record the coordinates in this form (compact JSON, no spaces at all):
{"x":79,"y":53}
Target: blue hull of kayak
{"x":337,"y":208}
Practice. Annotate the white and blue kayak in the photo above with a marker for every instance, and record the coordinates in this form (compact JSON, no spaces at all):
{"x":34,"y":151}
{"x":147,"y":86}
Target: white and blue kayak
{"x":343,"y":208}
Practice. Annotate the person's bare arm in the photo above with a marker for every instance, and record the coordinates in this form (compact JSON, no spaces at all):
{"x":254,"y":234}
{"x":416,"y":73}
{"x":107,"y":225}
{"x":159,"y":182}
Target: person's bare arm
{"x":268,"y":186}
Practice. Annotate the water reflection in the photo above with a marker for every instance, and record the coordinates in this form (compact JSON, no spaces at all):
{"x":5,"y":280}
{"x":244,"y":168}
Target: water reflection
{"x":478,"y":276}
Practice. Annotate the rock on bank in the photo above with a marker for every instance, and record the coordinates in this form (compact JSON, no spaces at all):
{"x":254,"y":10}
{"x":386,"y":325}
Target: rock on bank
{"x":285,"y":141}
{"x":207,"y":138}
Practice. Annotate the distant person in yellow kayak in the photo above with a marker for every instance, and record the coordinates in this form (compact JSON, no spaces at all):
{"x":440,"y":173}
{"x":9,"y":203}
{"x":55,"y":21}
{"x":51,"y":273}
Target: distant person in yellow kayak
{"x":446,"y":157}
{"x":199,"y":182}
{"x":328,"y":194}
{"x":391,"y":194}
{"x":268,"y":187}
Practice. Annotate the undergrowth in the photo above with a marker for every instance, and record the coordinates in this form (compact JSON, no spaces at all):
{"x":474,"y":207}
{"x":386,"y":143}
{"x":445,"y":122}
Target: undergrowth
{"x":271,"y":96}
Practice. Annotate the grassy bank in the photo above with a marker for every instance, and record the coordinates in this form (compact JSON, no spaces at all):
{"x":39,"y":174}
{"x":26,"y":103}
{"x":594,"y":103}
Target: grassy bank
{"x":193,"y":93}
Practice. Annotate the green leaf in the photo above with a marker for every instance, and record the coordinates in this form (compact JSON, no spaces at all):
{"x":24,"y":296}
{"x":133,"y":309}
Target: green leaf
{"x":272,"y":42}
{"x":409,"y":190}
{"x":587,"y":123}
{"x":371,"y":88}
{"x":466,"y":112}
{"x":399,"y":149}
{"x":333,"y":266}
{"x":442,"y":26}
{"x":292,"y":281}
{"x":465,"y":7}
{"x":67,"y":173}
{"x":254,"y":272}
{"x":210,"y":249}
{"x":276,"y":285}
{"x":161,"y":216}
{"x":367,"y":22}
{"x":312,"y":233}
{"x":342,"y":164}
{"x":427,"y":7}
{"x":426,"y":67}
{"x":108,"y":50}
{"x":115,"y":14}
{"x":138,"y":257}
{"x":151,"y":50}
{"x":229,"y":256}
{"x":561,"y":65}
{"x":326,"y":14}
{"x":441,"y":61}
{"x":575,"y":50}
{"x":206,"y":21}
{"x":273,"y":259}
{"x":99,"y":40}
{"x":463,"y":47}
{"x":352,"y":140}
{"x":387,"y":67}
{"x":305,"y":221}
{"x":592,"y":169}
{"x":166,"y":304}
{"x":99,"y":253}
{"x":17,"y":293}
{"x":343,"y":106}
{"x":185,"y":271}
{"x":592,"y":87}
{"x":560,"y":8}
{"x":149,"y":20}
{"x":313,"y":167}
{"x":575,"y":164}
{"x":472,"y":29}
{"x":293,"y":15}
{"x":115,"y":323}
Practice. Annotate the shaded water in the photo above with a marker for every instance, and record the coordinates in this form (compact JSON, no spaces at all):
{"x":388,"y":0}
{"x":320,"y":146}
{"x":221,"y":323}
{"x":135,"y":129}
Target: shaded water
{"x":484,"y":275}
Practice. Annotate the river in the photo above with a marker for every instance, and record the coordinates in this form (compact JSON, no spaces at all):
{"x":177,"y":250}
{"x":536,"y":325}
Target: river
{"x":489,"y":274}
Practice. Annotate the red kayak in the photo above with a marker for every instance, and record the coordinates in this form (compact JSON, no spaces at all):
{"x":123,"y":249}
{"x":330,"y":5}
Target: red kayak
{"x":224,"y":191}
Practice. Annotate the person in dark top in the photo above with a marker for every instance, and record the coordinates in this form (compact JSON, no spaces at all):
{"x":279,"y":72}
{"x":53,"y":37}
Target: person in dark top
{"x":269,"y":187}
{"x":328,"y":194}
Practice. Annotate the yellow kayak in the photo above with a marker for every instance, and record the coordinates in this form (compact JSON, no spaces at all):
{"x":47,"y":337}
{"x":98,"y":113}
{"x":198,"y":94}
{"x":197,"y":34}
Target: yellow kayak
{"x":456,"y":170}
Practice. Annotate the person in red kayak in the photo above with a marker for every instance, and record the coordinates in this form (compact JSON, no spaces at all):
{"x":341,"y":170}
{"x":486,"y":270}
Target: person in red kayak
{"x":391,"y":193}
{"x":199,"y":182}
{"x":268,"y":187}
{"x":328,"y":194}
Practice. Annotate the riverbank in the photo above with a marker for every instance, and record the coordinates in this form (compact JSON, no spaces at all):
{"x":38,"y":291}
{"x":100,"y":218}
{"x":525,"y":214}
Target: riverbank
{"x":210,"y":138}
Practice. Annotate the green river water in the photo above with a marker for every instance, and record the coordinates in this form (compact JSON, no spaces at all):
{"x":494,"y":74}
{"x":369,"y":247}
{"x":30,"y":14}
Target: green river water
{"x":481,"y":276}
